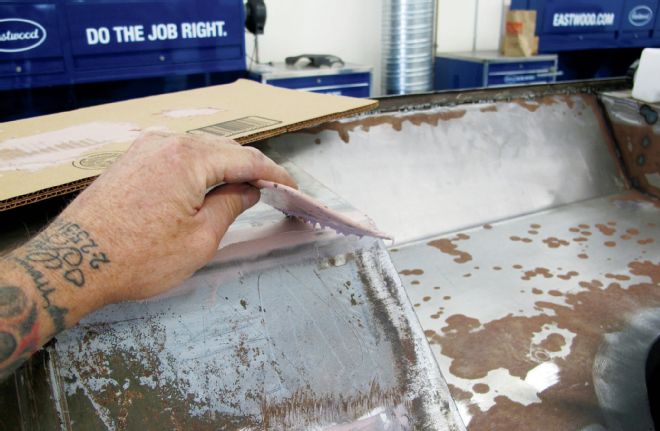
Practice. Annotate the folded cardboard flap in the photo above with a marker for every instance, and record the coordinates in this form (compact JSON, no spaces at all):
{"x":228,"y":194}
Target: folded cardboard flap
{"x":57,"y":154}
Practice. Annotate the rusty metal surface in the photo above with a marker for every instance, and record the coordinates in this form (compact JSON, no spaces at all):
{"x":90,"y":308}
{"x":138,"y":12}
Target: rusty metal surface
{"x":437,"y":170}
{"x":516,"y":311}
{"x":288,"y":328}
{"x":636,"y":129}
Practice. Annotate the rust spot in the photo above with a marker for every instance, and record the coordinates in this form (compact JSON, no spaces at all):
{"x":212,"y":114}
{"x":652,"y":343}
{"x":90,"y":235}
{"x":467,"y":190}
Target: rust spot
{"x":517,"y":266}
{"x":481,"y":388}
{"x":426,"y":298}
{"x":553,"y":242}
{"x":396,"y":121}
{"x":568,"y":275}
{"x":545,"y":272}
{"x":568,"y":100}
{"x":583,"y":256}
{"x":591,"y":285}
{"x":535,"y":226}
{"x":632,"y":231}
{"x":533,"y":232}
{"x":619,"y":277}
{"x":611,"y":223}
{"x":531,"y":107}
{"x":606,"y":230}
{"x":586,"y":233}
{"x":580,"y":239}
{"x":536,"y":291}
{"x":446,"y":298}
{"x":489,"y":108}
{"x":583,"y":226}
{"x":429,"y":332}
{"x":447,"y":246}
{"x":497,"y":268}
{"x":488,"y":226}
{"x":466,"y":275}
{"x":610,"y":243}
{"x":645,"y":241}
{"x":415,"y":271}
{"x":414,"y":282}
{"x":553,"y":343}
{"x":574,"y":229}
{"x":554,"y":293}
{"x":317,"y":141}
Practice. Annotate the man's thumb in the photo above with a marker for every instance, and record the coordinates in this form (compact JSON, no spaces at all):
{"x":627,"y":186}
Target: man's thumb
{"x":225,"y":203}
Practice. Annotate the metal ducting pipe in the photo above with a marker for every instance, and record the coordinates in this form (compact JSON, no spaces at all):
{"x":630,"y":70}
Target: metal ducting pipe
{"x":408,"y":33}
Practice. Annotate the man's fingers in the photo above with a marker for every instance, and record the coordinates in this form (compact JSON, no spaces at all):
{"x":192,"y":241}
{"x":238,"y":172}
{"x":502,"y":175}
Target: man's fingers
{"x":225,"y":203}
{"x":226,"y":162}
{"x":250,"y":164}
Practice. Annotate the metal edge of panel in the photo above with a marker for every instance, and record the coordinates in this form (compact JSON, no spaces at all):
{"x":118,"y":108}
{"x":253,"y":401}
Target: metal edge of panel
{"x":457,"y":97}
{"x":393,"y":308}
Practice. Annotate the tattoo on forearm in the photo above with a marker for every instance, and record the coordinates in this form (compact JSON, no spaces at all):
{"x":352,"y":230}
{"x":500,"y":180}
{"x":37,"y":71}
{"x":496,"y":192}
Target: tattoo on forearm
{"x":19,"y":329}
{"x":56,"y":313}
{"x":67,"y":248}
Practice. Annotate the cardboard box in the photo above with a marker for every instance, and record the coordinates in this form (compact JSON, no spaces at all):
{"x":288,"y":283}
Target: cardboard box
{"x":57,"y":154}
{"x":515,"y":46}
{"x":519,"y":38}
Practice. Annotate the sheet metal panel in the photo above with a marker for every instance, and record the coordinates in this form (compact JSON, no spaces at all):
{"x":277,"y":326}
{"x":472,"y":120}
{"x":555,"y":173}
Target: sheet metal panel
{"x":518,"y":312}
{"x":287,"y":328}
{"x":423,"y":172}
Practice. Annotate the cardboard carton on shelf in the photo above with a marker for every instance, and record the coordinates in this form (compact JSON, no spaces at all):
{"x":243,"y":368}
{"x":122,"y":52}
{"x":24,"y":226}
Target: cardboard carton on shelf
{"x":519,"y":38}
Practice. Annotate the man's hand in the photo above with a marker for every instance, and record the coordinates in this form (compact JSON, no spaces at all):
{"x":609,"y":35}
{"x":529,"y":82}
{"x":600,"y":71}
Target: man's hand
{"x":153,"y":215}
{"x":141,"y":228}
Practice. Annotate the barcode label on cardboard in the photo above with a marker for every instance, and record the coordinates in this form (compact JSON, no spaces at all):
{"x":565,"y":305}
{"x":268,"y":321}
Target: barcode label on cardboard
{"x":234,"y":127}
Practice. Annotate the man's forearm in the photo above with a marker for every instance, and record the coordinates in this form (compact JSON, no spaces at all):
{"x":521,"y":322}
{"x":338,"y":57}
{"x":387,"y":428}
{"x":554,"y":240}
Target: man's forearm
{"x":45,"y":287}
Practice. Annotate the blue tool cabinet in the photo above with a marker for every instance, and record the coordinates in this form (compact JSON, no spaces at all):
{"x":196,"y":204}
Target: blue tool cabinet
{"x":490,"y":69}
{"x":349,"y":80}
{"x":569,"y":25}
{"x":59,"y":42}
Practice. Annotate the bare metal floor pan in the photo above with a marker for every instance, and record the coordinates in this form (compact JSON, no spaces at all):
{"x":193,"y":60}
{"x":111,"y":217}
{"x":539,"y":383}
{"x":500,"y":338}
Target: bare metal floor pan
{"x":517,"y":311}
{"x":520,"y":246}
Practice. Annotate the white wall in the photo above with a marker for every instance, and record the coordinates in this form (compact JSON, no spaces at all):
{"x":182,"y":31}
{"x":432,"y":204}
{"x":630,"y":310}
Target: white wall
{"x":456,"y":19}
{"x":351,"y":29}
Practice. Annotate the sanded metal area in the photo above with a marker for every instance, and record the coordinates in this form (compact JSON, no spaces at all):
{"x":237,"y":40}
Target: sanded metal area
{"x":516,"y":311}
{"x":419,"y":173}
{"x":288,"y":328}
